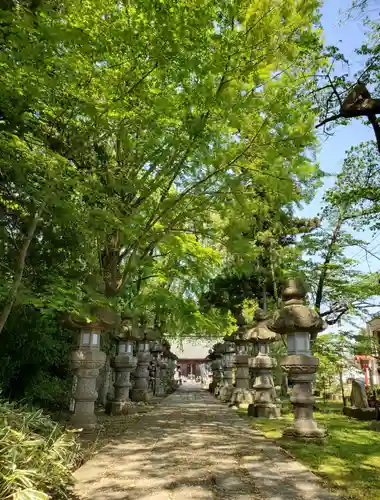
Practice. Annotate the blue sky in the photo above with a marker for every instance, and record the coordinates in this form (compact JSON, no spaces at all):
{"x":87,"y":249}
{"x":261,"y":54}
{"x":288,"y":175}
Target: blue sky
{"x":347,"y":35}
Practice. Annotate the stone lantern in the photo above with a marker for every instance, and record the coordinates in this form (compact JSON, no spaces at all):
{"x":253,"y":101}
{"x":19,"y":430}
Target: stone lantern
{"x":157,"y":350}
{"x":297,"y":322}
{"x":226,"y":390}
{"x":124,"y":363}
{"x":262,"y":365}
{"x":85,"y":363}
{"x":242,"y":395}
{"x":172,"y":364}
{"x":165,"y":366}
{"x":216,"y":367}
{"x":140,"y":390}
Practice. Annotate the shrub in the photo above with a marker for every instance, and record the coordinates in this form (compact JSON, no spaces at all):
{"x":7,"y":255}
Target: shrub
{"x":35,"y":359}
{"x":37,"y":455}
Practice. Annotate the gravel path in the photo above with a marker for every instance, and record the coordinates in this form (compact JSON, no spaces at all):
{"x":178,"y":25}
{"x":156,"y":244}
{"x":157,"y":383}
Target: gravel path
{"x":193,"y":447}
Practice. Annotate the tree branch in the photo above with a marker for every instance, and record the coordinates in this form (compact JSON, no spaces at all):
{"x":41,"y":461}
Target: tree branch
{"x":20,"y":266}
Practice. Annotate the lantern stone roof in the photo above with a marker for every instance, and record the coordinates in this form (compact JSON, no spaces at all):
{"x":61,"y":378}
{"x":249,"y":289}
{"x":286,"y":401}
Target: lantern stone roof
{"x":128,"y":331}
{"x":295,"y":316}
{"x":103,"y":318}
{"x":219,"y":349}
{"x":260,"y":331}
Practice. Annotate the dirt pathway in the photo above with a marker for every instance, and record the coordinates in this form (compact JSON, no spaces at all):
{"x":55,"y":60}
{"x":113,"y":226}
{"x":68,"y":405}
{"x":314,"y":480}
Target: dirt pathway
{"x":193,"y":447}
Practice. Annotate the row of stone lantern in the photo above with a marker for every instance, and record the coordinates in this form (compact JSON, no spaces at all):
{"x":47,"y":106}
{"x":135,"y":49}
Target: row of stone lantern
{"x":251,"y":345}
{"x":88,"y":359}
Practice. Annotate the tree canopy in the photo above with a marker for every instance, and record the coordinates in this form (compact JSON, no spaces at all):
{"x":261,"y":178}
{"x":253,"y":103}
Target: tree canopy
{"x":137,"y":143}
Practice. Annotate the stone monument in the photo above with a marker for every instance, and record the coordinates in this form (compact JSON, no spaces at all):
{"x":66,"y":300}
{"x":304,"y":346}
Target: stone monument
{"x":262,"y":364}
{"x":297,"y":322}
{"x":358,"y":397}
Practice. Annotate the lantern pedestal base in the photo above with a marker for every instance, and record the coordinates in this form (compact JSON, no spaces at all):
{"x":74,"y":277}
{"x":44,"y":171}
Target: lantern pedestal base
{"x":305,"y":429}
{"x":87,"y":423}
{"x":217,"y":389}
{"x":160,"y":389}
{"x":242,"y":398}
{"x":214,"y":387}
{"x":264,"y":411}
{"x":225,"y":393}
{"x":121,"y":408}
{"x":143,"y":395}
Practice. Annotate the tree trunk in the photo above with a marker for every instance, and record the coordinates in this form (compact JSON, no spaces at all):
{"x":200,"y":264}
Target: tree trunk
{"x":323,"y":275}
{"x":342,"y":387}
{"x":20,"y":265}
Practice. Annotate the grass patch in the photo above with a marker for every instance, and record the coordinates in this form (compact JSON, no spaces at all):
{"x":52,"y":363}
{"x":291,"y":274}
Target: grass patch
{"x":349,"y":460}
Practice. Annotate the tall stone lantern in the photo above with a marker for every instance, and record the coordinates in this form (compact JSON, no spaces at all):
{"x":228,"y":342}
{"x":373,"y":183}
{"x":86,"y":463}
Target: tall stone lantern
{"x":85,"y":363}
{"x":157,"y":350}
{"x":172,"y":364}
{"x":124,"y":363}
{"x":226,"y":390}
{"x":216,"y":367}
{"x":297,"y":322}
{"x":262,"y":364}
{"x":140,"y":390}
{"x":165,"y":366}
{"x":242,"y":395}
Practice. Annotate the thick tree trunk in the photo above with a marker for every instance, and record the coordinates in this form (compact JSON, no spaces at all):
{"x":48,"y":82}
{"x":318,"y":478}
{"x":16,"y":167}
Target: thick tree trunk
{"x":20,"y":265}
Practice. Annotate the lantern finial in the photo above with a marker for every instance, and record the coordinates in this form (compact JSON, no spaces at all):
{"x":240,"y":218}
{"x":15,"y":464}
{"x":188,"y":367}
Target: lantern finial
{"x":294,"y":291}
{"x":260,"y":315}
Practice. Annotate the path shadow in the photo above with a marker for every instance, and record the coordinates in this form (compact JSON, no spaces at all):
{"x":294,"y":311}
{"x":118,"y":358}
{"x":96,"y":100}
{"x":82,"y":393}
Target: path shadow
{"x":189,"y":447}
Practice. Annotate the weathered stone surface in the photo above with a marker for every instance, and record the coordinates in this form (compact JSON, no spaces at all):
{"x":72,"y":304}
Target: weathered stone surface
{"x":295,"y":316}
{"x":226,"y":389}
{"x":124,"y":363}
{"x":298,"y":321}
{"x":192,"y":446}
{"x":243,"y":394}
{"x":358,"y":397}
{"x":140,"y":391}
{"x":217,"y":369}
{"x":85,"y":362}
{"x":262,"y":365}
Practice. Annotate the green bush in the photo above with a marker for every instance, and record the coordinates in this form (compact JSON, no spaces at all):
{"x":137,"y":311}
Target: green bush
{"x":35,"y":359}
{"x":37,"y":456}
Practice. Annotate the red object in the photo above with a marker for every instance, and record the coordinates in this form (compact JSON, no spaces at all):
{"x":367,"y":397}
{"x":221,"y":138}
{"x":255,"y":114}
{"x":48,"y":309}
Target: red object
{"x":364,"y":364}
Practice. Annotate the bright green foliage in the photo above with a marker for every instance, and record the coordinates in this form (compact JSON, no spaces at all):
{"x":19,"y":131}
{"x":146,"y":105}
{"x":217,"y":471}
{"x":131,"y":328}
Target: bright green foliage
{"x":358,"y":186}
{"x":273,"y":236}
{"x":364,"y":344}
{"x":332,"y":350}
{"x":138,"y":125}
{"x":37,"y":455}
{"x":338,"y":288}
